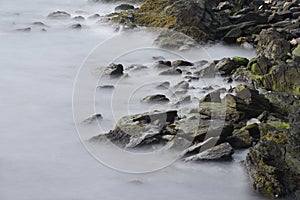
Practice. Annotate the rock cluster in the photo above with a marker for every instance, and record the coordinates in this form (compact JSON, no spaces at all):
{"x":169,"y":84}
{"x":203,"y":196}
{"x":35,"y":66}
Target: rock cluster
{"x":267,"y":121}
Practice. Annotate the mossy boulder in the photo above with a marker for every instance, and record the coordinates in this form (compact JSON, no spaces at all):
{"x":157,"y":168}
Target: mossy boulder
{"x":192,"y":18}
{"x":272,"y":45}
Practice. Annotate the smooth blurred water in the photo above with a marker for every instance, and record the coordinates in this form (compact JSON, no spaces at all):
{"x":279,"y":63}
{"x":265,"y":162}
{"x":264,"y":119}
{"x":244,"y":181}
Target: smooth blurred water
{"x":41,"y":155}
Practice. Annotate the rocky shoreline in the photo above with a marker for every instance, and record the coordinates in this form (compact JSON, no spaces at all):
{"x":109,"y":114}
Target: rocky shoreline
{"x":262,"y":114}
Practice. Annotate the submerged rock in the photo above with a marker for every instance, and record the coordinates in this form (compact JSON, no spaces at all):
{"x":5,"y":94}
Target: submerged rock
{"x":24,"y":29}
{"x":171,"y":72}
{"x":158,"y":98}
{"x":123,"y":7}
{"x":59,"y":15}
{"x":163,"y":86}
{"x":92,"y":118}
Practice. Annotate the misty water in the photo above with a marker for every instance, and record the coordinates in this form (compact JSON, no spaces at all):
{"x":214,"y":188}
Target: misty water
{"x":42,"y":155}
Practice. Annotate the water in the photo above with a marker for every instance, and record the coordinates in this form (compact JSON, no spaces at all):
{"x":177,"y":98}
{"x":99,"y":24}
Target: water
{"x":41,"y":155}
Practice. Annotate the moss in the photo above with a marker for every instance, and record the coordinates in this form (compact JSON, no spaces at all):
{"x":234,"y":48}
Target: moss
{"x":297,"y":90}
{"x":279,"y":137}
{"x":251,"y":62}
{"x":296,"y":51}
{"x":240,"y":60}
{"x":280,"y":125}
{"x":153,"y":13}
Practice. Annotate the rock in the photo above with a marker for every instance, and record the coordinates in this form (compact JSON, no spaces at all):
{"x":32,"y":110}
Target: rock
{"x":76,"y":26}
{"x":158,"y":98}
{"x":79,"y":18}
{"x":92,"y":118}
{"x":224,"y":5}
{"x":260,"y":164}
{"x":59,"y":15}
{"x":170,"y":39}
{"x":181,"y":85}
{"x":248,"y":101}
{"x":24,"y":29}
{"x":181,"y":63}
{"x":106,"y":87}
{"x":94,"y":16}
{"x":202,"y":146}
{"x":115,"y":70}
{"x":232,"y":35}
{"x":158,"y":58}
{"x":282,"y":77}
{"x":221,"y":152}
{"x":272,"y":45}
{"x":189,"y":17}
{"x":183,"y":100}
{"x":281,"y":102}
{"x":171,"y":72}
{"x":163,"y":64}
{"x":163,"y":86}
{"x":226,"y":66}
{"x":240,"y":139}
{"x":208,"y":71}
{"x":136,"y":67}
{"x":39,"y":24}
{"x":136,"y":130}
{"x":208,"y":88}
{"x":212,"y":97}
{"x":123,"y":7}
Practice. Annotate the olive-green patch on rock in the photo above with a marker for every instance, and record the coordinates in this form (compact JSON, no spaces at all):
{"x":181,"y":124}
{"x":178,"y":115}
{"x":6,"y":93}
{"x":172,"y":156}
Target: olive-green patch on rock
{"x":190,"y":17}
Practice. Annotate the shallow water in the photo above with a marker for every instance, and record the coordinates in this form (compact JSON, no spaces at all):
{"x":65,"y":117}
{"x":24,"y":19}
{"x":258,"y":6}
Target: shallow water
{"x":41,"y":155}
